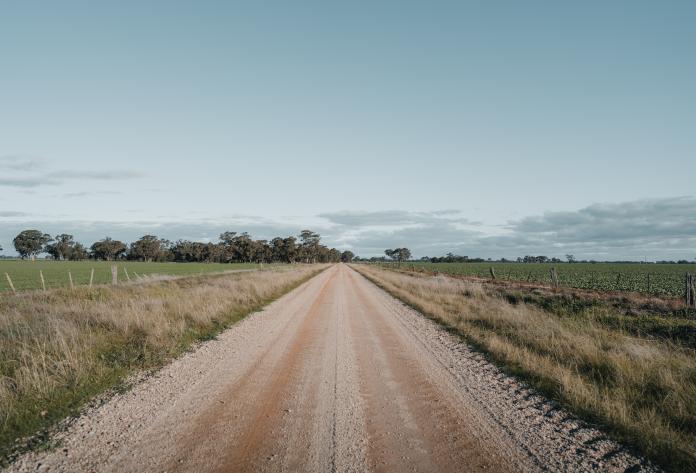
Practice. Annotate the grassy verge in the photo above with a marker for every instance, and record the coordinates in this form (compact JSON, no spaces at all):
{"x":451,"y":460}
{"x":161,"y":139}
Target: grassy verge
{"x":60,"y":348}
{"x":640,"y":390}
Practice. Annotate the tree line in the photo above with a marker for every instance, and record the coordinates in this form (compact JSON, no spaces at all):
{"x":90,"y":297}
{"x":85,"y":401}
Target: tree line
{"x":232,"y":247}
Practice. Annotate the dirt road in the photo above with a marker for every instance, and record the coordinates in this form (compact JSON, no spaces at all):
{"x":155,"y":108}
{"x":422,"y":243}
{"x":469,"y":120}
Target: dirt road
{"x":335,"y":376}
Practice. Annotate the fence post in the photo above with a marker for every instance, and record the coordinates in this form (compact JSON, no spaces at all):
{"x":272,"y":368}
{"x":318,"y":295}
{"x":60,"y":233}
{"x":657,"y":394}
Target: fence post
{"x":72,"y":286}
{"x":114,"y":274}
{"x":9,"y":280}
{"x":43,"y":281}
{"x":689,"y":291}
{"x":91,"y":277}
{"x":492,"y":272}
{"x":554,"y":277}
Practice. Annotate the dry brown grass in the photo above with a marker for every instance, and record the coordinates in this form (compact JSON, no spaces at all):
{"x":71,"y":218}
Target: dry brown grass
{"x":641,"y":391}
{"x":59,"y":348}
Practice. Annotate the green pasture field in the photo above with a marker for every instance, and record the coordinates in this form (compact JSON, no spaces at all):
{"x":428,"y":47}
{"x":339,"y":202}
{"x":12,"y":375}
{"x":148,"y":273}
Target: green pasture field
{"x":25,"y":274}
{"x":655,"y":279}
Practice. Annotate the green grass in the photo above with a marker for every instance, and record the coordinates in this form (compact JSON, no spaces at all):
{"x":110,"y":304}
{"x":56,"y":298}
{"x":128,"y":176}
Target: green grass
{"x":655,"y":279}
{"x":25,"y":274}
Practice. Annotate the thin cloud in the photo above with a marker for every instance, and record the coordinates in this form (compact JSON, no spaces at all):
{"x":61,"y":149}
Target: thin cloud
{"x":71,"y":195}
{"x":21,"y":162}
{"x":393,"y":217}
{"x":11,"y":213}
{"x":23,"y":171}
{"x":98,"y":175}
{"x":27,"y":182}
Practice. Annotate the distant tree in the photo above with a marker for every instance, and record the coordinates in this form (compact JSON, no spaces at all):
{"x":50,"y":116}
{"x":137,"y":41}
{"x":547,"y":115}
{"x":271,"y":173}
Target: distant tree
{"x":62,"y":247}
{"x":290,"y":250}
{"x":333,"y":256}
{"x":30,"y":243}
{"x":243,"y":248}
{"x":227,"y":238}
{"x":262,"y":252}
{"x":309,"y":244}
{"x":277,"y":249}
{"x":570,"y":258}
{"x":347,"y":256}
{"x":78,"y":252}
{"x":212,"y":252}
{"x":193,"y":251}
{"x":108,"y":249}
{"x":398,"y":254}
{"x":535,"y":259}
{"x":149,"y":248}
{"x":238,"y":248}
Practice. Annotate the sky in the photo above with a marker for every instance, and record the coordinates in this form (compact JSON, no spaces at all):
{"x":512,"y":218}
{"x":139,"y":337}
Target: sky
{"x":487,"y":128}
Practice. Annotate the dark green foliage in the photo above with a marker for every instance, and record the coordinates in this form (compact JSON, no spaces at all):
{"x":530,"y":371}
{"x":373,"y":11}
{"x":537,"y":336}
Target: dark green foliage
{"x":30,"y":243}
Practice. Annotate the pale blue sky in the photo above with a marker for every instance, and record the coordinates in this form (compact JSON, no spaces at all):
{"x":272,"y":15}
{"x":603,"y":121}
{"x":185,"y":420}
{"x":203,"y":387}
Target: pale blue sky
{"x":271,"y":116}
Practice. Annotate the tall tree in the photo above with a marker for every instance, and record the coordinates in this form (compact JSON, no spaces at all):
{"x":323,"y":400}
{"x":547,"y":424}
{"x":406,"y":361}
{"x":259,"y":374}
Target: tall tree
{"x":243,"y":248}
{"x":149,"y":248}
{"x":30,"y":243}
{"x":78,"y":252}
{"x":290,"y":251}
{"x":62,"y":247}
{"x":108,"y":249}
{"x":310,"y":245}
{"x":398,"y":254}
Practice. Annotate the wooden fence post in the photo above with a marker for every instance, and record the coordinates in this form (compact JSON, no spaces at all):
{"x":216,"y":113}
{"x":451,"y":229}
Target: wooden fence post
{"x":91,"y":277}
{"x":554,"y":278}
{"x":114,"y":274}
{"x":492,"y":272}
{"x":43,"y":281}
{"x":72,"y":286}
{"x":689,"y":291}
{"x":9,"y":280}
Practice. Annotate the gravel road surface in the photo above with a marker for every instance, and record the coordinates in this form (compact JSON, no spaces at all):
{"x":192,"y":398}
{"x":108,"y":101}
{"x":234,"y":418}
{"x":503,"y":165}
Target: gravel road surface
{"x":335,"y":376}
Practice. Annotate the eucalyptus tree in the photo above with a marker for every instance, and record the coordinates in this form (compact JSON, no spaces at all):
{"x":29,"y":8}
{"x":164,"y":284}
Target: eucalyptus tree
{"x":108,"y":249}
{"x":62,"y":247}
{"x":30,"y":243}
{"x":398,"y":254}
{"x":309,"y":244}
{"x":149,"y":248}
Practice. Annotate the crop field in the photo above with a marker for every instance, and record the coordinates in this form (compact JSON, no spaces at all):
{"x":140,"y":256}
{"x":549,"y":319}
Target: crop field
{"x":655,"y":279}
{"x":25,"y":275}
